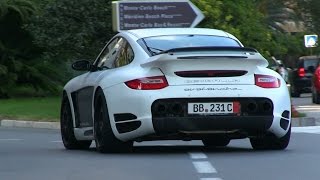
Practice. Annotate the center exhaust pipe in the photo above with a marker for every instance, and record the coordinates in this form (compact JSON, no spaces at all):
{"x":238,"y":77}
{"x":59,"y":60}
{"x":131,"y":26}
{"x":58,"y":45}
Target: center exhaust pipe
{"x":252,"y":107}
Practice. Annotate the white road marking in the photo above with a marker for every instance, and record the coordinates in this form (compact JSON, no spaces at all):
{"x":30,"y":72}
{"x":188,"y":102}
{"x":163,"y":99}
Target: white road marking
{"x":308,"y":108}
{"x":163,"y":145}
{"x":56,"y":141}
{"x":204,"y":167}
{"x":11,"y":139}
{"x":197,"y":155}
{"x":306,"y":129}
{"x":210,"y":179}
{"x":138,"y":144}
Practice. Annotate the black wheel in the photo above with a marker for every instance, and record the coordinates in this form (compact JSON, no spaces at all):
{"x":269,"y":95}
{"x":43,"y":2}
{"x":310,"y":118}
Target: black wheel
{"x":315,"y":97}
{"x":271,"y":142}
{"x":216,"y":141}
{"x":106,"y":142}
{"x":66,"y":126}
{"x":294,"y":92}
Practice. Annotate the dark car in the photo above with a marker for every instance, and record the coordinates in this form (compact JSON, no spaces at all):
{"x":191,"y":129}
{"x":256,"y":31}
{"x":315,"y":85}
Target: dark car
{"x":301,"y":77}
{"x":316,"y":86}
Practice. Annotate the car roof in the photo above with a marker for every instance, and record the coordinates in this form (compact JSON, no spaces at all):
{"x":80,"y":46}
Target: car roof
{"x":144,"y":33}
{"x":309,"y":57}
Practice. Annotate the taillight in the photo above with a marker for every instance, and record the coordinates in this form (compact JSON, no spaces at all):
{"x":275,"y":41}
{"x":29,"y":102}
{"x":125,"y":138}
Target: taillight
{"x":148,"y":83}
{"x":301,"y":72}
{"x":266,"y":81}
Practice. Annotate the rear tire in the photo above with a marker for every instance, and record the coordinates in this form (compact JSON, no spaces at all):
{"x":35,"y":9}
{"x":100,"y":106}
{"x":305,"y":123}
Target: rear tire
{"x":271,"y":142}
{"x":216,"y":141}
{"x":315,"y":97}
{"x":66,"y":125}
{"x":294,"y":92}
{"x":106,"y":142}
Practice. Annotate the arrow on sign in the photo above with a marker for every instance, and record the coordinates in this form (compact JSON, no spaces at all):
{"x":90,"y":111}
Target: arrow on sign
{"x":310,"y":40}
{"x":156,"y":14}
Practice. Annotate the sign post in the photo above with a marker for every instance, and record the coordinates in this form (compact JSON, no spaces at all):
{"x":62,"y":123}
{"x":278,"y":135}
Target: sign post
{"x":155,"y":14}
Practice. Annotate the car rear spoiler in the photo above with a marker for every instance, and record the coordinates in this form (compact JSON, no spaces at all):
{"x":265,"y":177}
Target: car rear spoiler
{"x":241,"y":56}
{"x":210,"y":48}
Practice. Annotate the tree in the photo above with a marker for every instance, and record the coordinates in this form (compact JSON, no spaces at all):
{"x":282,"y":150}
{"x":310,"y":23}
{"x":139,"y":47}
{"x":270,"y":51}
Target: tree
{"x":14,"y":41}
{"x":23,"y":9}
{"x":240,"y":18}
{"x":278,"y":13}
{"x":76,"y":28}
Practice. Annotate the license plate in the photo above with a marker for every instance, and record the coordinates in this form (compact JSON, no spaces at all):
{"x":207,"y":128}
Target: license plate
{"x":214,"y":108}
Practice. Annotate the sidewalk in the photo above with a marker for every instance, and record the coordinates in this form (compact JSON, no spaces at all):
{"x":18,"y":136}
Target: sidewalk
{"x":305,"y":121}
{"x":312,"y":113}
{"x":29,"y":124}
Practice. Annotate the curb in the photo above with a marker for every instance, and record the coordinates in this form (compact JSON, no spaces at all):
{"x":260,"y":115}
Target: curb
{"x":29,"y":124}
{"x":296,"y":122}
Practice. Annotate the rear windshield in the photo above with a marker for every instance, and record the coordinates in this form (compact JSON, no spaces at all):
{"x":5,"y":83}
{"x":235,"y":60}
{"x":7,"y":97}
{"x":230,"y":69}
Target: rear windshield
{"x":307,"y":63}
{"x":158,"y":44}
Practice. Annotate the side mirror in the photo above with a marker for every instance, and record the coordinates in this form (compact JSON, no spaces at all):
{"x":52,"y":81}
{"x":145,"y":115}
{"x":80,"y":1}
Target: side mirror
{"x":82,"y":65}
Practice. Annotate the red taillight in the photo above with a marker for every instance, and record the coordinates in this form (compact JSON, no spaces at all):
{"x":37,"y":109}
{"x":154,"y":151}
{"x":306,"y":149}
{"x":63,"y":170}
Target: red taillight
{"x":301,"y":72}
{"x":148,"y":83}
{"x":266,"y":81}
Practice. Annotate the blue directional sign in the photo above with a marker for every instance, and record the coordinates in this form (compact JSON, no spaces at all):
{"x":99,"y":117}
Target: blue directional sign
{"x":311,"y":40}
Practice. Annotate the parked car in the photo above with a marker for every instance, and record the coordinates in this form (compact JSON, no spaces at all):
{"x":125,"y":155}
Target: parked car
{"x":301,"y":77}
{"x":316,"y":85}
{"x":178,"y":84}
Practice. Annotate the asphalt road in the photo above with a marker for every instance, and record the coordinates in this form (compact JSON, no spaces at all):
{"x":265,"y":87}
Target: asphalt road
{"x":303,"y":100}
{"x":34,"y":154}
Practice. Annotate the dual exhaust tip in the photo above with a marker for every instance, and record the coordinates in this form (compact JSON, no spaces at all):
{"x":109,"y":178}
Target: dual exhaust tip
{"x":263,"y":106}
{"x":177,"y":109}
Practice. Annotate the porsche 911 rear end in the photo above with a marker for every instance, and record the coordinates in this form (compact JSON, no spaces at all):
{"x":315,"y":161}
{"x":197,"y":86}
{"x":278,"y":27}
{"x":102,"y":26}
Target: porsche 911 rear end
{"x":210,"y":94}
{"x":175,"y":84}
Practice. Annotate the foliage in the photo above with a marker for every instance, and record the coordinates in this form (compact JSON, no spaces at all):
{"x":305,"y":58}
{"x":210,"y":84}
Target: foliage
{"x":277,"y":12}
{"x":15,"y":42}
{"x":39,"y":38}
{"x":242,"y":19}
{"x":20,"y":63}
{"x":254,"y":23}
{"x":309,"y":10}
{"x":22,"y":9}
{"x":75,"y":29}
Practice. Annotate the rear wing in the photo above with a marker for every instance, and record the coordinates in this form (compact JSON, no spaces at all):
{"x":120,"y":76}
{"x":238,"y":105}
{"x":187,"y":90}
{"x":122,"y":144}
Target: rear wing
{"x":209,"y":56}
{"x":211,"y":48}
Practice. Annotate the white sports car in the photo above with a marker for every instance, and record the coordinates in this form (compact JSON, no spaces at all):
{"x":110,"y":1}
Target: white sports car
{"x":175,"y":84}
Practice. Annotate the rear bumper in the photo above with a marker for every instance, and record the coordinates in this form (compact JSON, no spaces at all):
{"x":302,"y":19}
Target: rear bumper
{"x":142,"y":105}
{"x":171,"y":115}
{"x":213,"y":123}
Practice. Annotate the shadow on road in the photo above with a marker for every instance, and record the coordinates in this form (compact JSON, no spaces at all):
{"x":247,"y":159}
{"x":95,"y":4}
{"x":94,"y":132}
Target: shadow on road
{"x":174,"y":150}
{"x":183,"y":149}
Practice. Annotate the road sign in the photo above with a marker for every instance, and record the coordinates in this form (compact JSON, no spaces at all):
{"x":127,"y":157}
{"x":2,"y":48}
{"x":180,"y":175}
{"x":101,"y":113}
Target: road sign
{"x":156,"y":14}
{"x":311,"y":40}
